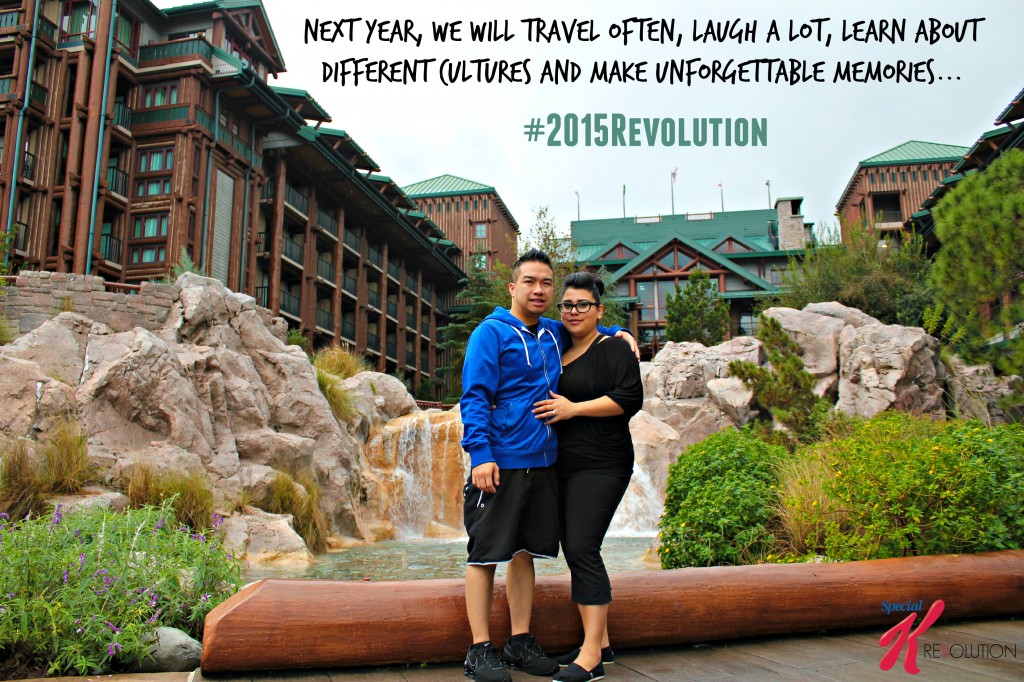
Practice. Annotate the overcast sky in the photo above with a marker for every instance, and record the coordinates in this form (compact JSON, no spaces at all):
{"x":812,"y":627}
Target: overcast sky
{"x":816,"y":132}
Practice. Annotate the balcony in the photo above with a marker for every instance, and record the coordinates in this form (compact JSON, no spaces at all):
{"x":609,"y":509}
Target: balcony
{"x":262,"y":296}
{"x":48,"y":28}
{"x":425,"y":363}
{"x":21,"y":237}
{"x":291,"y":250}
{"x":122,"y":115}
{"x":393,"y":309}
{"x":205,"y":119}
{"x":165,"y":115}
{"x":176,"y":50}
{"x":393,"y":270}
{"x":373,"y":298}
{"x":292,"y":196}
{"x":325,"y":320}
{"x":352,"y":240}
{"x":327,"y":223}
{"x":392,"y":349}
{"x":410,"y":358}
{"x":290,"y":303}
{"x":350,"y":283}
{"x":28,"y":167}
{"x":6,"y":85}
{"x":374,"y":255}
{"x":427,"y":294}
{"x":348,"y":330}
{"x":110,"y":248}
{"x":325,"y":269}
{"x":10,"y":18}
{"x":117,"y":181}
{"x":425,"y":328}
{"x":410,"y":320}
{"x":37,"y":95}
{"x":410,"y":282}
{"x":889,"y":217}
{"x":372,"y":342}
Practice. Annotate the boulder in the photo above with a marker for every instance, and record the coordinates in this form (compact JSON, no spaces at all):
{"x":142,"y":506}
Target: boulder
{"x":259,"y":537}
{"x":889,"y":367}
{"x":170,"y":650}
{"x":733,"y":398}
{"x":818,"y":338}
{"x":979,"y":394}
{"x":57,"y":346}
{"x":849,"y":316}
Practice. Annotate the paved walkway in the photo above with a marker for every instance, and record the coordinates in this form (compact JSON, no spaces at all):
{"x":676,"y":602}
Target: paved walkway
{"x":963,"y":651}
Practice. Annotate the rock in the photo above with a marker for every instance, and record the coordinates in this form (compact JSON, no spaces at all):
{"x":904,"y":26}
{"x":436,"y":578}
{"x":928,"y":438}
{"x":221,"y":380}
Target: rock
{"x":817,"y":335}
{"x":977,"y":392}
{"x":170,"y":650}
{"x":263,"y":538}
{"x":32,"y":402}
{"x":733,"y":397}
{"x":850,"y":316}
{"x":57,"y":346}
{"x":655,"y":446}
{"x":379,"y":398}
{"x":91,"y":498}
{"x":443,"y":532}
{"x":889,"y":367}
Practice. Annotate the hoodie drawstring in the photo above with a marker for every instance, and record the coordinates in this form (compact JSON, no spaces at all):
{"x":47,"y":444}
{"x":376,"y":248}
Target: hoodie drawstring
{"x":525,"y":348}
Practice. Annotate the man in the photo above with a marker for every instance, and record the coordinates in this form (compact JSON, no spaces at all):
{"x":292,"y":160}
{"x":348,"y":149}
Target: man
{"x":510,"y":507}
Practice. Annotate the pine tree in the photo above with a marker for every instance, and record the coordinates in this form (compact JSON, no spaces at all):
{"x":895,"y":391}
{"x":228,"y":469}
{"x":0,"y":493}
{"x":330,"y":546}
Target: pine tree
{"x":980,"y":225}
{"x":697,"y":312}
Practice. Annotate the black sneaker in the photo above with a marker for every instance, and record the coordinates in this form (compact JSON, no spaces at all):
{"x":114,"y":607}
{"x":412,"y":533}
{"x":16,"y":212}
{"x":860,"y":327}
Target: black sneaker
{"x":575,"y":673}
{"x":484,"y":663}
{"x":607,"y":657}
{"x":523,"y":653}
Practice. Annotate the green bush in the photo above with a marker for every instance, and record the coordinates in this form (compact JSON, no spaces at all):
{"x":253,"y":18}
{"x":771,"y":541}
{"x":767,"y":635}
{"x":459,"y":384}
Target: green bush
{"x":720,"y":502}
{"x":188,"y":493}
{"x":80,"y":590}
{"x":300,"y":497}
{"x":6,"y":331}
{"x":66,"y":458}
{"x":913,"y":487}
{"x":21,"y":485}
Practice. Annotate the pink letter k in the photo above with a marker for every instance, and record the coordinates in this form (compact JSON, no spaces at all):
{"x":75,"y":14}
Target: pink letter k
{"x":902,"y":629}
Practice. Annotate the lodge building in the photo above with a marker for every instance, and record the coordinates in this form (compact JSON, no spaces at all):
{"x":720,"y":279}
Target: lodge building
{"x":131,"y":135}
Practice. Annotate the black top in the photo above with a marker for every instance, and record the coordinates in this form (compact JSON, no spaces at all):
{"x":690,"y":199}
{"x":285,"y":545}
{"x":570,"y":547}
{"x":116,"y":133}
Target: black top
{"x":600,"y":444}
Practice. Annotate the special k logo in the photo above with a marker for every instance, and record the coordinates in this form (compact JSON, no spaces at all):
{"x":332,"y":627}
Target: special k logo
{"x":903,"y":635}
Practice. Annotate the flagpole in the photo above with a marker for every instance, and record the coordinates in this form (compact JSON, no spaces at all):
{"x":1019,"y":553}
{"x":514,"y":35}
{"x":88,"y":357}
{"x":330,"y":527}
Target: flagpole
{"x":673,"y":183}
{"x":577,"y":206}
{"x":721,"y":194}
{"x":623,"y":201}
{"x":768,"y":184}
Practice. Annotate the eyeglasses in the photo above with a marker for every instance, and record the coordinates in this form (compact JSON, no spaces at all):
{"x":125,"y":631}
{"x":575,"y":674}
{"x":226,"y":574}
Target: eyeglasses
{"x":581,"y":306}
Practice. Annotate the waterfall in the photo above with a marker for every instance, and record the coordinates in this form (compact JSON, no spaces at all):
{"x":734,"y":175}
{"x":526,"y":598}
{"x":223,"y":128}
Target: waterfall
{"x":641,"y":506}
{"x":414,"y":499}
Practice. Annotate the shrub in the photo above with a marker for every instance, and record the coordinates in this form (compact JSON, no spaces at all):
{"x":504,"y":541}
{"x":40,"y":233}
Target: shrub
{"x":720,"y":502}
{"x":80,"y":590}
{"x":6,"y":331}
{"x":340,"y":361}
{"x":301,"y":499}
{"x":785,"y":389}
{"x":297,"y":338}
{"x":805,"y":506}
{"x":913,"y":487}
{"x":21,"y":486}
{"x":66,"y":459}
{"x":341,"y":400}
{"x":188,"y":494}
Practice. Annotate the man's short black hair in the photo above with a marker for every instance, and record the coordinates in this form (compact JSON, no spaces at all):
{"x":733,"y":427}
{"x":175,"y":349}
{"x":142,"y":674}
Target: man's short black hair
{"x":531,"y":256}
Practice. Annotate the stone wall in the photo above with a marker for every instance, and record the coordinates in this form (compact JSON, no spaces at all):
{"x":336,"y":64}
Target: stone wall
{"x":31,"y":298}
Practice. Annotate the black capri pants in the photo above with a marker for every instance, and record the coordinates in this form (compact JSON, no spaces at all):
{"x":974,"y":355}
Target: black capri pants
{"x":587,"y":503}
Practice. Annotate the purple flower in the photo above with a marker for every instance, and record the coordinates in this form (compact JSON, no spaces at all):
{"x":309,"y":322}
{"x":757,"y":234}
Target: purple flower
{"x":65,"y":576}
{"x":206,"y":598}
{"x":111,"y":647}
{"x":217,"y":520}
{"x":200,"y":537}
{"x":3,"y":515}
{"x":152,"y":602}
{"x":153,"y":618}
{"x":113,"y":627}
{"x":78,"y":533}
{"x":58,"y":515}
{"x":159,"y":525}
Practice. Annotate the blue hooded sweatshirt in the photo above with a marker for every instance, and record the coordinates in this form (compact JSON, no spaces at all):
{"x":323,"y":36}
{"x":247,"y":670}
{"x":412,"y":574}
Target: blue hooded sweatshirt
{"x":506,"y":370}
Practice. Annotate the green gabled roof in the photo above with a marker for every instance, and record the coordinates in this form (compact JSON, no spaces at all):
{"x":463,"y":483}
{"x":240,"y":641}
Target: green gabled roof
{"x":446,"y":185}
{"x":303,"y":102}
{"x":350,"y":146}
{"x":984,"y":150}
{"x":228,"y":5}
{"x":916,"y":152}
{"x":1013,"y":110}
{"x":751,"y":224}
{"x":644,"y":257}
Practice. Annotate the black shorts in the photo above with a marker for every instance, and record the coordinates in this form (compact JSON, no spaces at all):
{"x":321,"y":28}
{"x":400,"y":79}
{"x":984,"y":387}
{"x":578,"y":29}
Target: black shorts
{"x":522,"y":516}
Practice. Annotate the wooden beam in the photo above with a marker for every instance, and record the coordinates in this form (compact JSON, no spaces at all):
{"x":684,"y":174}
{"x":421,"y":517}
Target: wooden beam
{"x":325,"y":623}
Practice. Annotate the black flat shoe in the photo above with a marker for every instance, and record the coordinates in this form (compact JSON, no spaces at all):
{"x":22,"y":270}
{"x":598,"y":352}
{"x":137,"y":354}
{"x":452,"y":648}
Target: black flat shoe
{"x":574,"y":673}
{"x":607,"y":657}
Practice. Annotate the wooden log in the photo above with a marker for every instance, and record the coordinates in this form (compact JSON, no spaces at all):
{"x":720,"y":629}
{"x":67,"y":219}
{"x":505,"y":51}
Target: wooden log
{"x":288,"y":624}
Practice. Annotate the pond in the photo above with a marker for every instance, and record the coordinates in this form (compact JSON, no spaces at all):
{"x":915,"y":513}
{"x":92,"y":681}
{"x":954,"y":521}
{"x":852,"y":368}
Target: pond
{"x":422,"y":559}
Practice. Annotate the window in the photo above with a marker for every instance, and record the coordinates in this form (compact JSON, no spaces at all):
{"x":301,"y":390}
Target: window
{"x":153,"y":187}
{"x":748,"y":325}
{"x":481,"y":231}
{"x":77,"y":20}
{"x":430,"y":208}
{"x":140,"y":255}
{"x":872,"y":179}
{"x":935,"y":175}
{"x":776,"y":275}
{"x":476,"y":204}
{"x":480,"y":261}
{"x":913,"y":175}
{"x":485,"y":204}
{"x":457,"y":205}
{"x":127,"y":33}
{"x":149,"y":226}
{"x":160,"y":94}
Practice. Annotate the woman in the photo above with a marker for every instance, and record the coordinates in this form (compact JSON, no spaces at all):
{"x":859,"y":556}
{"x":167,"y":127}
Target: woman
{"x":599,"y":390}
